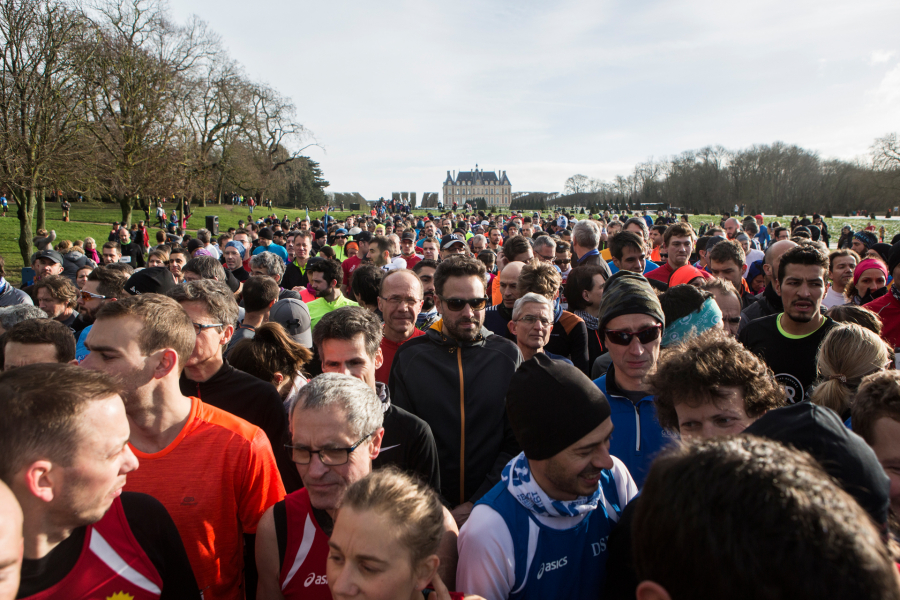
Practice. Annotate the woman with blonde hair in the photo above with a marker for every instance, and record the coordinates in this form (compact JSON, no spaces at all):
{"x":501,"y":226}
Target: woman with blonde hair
{"x":848,"y":353}
{"x":385,"y":540}
{"x":90,"y":249}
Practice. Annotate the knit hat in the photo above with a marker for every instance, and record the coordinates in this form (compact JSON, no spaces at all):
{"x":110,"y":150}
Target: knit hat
{"x":883,"y":250}
{"x":842,"y":453}
{"x":193,"y":244}
{"x":152,"y":280}
{"x":544,"y":429}
{"x":239,"y":247}
{"x":687,"y":274}
{"x":628,"y":293}
{"x":266,"y":233}
{"x":865,"y":265}
{"x":866,"y":237}
{"x":894,"y":258}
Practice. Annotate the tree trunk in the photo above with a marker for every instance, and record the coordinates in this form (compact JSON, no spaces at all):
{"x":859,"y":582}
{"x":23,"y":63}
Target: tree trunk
{"x":126,"y":204}
{"x":40,"y":205}
{"x":25,"y":211}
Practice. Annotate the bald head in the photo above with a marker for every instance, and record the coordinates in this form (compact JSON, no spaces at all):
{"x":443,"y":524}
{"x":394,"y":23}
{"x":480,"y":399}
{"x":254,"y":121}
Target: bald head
{"x":509,"y":278}
{"x":11,"y":543}
{"x":732,"y":228}
{"x":773,"y":258}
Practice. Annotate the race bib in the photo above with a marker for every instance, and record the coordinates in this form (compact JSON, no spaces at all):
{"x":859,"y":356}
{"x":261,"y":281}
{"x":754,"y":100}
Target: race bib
{"x":125,"y":259}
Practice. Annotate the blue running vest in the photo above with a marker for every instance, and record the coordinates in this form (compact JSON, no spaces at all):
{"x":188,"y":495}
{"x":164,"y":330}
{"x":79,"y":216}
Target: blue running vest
{"x":567,"y":563}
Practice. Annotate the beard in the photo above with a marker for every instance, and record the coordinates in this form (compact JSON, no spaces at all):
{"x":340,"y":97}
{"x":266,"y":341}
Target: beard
{"x":455,"y":330}
{"x":427,"y":301}
{"x":323,"y":293}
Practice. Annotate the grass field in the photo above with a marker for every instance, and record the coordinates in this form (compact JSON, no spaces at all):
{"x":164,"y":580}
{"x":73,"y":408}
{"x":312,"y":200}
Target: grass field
{"x":95,"y":219}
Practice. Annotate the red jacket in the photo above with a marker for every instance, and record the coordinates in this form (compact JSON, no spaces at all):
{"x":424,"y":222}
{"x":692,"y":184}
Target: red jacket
{"x":888,"y":310}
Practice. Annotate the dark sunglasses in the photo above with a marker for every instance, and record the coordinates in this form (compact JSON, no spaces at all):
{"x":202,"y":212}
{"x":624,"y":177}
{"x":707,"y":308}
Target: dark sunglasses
{"x":457,"y":304}
{"x":621,"y":337}
{"x":562,"y":261}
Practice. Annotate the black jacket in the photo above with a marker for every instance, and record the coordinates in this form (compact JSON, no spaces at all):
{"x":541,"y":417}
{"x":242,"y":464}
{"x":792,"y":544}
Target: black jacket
{"x":460,"y":391}
{"x":408,"y":443}
{"x":257,"y":402}
{"x":293,"y":277}
{"x":766,"y":303}
{"x":133,"y":255}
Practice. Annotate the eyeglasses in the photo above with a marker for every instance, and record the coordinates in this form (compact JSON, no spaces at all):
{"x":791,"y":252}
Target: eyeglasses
{"x":457,"y":304}
{"x":396,"y":300}
{"x":531,"y":320}
{"x":340,"y":237}
{"x":87,"y":296}
{"x":620,"y":337}
{"x":199,"y":327}
{"x":330,"y":457}
{"x":562,"y":261}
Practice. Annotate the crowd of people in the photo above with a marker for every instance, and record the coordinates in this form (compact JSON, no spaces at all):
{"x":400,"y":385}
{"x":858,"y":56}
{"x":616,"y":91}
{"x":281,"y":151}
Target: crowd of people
{"x":458,"y":405}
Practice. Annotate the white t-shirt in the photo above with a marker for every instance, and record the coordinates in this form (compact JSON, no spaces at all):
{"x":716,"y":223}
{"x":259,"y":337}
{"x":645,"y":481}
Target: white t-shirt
{"x":487,"y":558}
{"x":833,"y":298}
{"x":753,"y":256}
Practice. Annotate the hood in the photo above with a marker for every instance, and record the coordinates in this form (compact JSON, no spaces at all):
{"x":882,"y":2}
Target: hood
{"x":436,"y":334}
{"x":842,"y":453}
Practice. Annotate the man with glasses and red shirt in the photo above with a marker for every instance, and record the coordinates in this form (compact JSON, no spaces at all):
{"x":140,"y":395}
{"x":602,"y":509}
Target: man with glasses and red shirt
{"x":455,"y":378}
{"x":631,"y":322}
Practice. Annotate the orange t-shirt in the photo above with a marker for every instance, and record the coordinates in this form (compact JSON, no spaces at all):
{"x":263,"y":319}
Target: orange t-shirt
{"x":496,"y":296}
{"x":216,"y":479}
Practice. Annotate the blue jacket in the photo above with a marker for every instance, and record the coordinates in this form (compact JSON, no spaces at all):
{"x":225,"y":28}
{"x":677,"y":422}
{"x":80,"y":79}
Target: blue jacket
{"x":637,"y":435}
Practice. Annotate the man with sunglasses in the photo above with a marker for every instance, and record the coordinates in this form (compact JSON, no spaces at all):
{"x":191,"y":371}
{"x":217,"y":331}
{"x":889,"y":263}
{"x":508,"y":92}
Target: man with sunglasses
{"x":103,"y":285}
{"x":631,"y":321}
{"x":208,"y":375}
{"x":339,"y":244}
{"x":455,"y":378}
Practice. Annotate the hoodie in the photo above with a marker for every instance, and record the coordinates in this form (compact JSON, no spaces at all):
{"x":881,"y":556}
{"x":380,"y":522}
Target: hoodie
{"x":459,"y":389}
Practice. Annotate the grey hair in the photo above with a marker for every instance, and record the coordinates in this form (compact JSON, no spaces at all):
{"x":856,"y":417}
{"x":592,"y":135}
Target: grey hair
{"x":587,"y":234}
{"x":13,"y":315}
{"x":395,"y":243}
{"x":360,"y":404}
{"x":479,"y":238}
{"x":640,"y":222}
{"x":530,"y":297}
{"x":269,"y":261}
{"x":219,"y":300}
{"x":204,"y":235}
{"x":546,"y":240}
{"x":207,"y":267}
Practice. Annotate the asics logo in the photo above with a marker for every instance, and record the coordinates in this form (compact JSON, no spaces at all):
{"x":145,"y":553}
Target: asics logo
{"x":313,"y":579}
{"x":552,"y":566}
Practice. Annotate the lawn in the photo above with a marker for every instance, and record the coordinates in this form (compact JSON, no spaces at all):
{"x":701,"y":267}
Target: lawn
{"x":94,"y":219}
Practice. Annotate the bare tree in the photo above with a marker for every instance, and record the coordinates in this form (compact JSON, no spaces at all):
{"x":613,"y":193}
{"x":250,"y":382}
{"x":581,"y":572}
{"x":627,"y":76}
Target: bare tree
{"x":577,"y":184}
{"x":38,"y":93}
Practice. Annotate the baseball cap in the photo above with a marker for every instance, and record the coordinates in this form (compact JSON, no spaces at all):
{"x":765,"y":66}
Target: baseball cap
{"x":450,"y":239}
{"x":340,"y":230}
{"x":49,"y":255}
{"x":354,"y":231}
{"x":363,"y":236}
{"x":408,"y":235}
{"x":293,"y":315}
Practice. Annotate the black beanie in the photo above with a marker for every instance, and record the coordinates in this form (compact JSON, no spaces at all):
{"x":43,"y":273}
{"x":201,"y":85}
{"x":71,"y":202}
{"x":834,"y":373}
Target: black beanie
{"x":152,"y":280}
{"x":628,"y":293}
{"x":551,"y":405}
{"x":893,"y":258}
{"x":842,"y":453}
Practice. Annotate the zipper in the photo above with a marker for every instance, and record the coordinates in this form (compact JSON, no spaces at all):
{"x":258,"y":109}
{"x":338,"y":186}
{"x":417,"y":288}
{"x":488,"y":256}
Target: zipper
{"x":462,"y":428}
{"x":637,"y":425}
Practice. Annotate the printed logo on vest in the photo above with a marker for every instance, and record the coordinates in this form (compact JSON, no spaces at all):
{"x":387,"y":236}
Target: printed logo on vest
{"x":313,"y":579}
{"x":599,"y":547}
{"x":552,"y":566}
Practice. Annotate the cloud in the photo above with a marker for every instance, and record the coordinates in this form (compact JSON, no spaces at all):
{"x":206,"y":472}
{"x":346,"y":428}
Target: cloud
{"x":880,"y":56}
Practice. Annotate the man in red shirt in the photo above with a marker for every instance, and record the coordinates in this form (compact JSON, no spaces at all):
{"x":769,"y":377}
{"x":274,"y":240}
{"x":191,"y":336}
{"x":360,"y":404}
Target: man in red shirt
{"x":215,"y":473}
{"x":64,"y":453}
{"x":887,"y":307}
{"x":362,"y":240}
{"x":678,"y":241}
{"x":408,"y":249}
{"x":400,"y":302}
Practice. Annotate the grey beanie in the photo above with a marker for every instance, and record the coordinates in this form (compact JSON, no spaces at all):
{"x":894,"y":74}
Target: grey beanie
{"x":628,"y":293}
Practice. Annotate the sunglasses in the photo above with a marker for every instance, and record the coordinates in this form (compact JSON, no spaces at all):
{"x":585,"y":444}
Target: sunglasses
{"x":457,"y":304}
{"x":87,"y":296}
{"x":620,"y":337}
{"x":562,"y":261}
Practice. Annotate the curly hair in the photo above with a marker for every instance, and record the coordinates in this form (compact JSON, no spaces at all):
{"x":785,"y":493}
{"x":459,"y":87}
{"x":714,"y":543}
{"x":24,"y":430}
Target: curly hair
{"x":458,"y":266}
{"x":878,"y":396}
{"x":539,"y":277}
{"x":692,"y":373}
{"x":60,"y":288}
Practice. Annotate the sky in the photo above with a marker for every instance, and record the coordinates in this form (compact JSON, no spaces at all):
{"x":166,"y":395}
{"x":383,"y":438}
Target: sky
{"x":398,"y":92}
